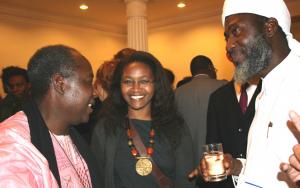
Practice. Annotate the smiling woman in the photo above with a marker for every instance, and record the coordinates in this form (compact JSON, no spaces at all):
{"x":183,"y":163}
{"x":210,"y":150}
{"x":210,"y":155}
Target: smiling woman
{"x":140,"y":132}
{"x":137,"y":89}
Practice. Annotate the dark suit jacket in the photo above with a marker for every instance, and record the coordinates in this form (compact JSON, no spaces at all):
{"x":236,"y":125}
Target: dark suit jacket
{"x":227,"y":124}
{"x":192,"y":101}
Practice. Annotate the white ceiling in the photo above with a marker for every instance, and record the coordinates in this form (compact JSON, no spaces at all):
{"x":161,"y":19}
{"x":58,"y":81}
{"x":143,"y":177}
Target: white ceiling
{"x":112,"y":13}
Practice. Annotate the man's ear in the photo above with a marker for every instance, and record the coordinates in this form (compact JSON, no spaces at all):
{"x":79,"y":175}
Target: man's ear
{"x":271,"y":27}
{"x":58,"y":83}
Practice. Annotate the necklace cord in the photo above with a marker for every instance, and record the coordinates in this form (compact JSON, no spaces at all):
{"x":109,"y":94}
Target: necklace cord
{"x":73,"y":166}
{"x":160,"y":177}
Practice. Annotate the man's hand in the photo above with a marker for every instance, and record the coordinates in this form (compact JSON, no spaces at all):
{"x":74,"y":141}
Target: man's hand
{"x":231,"y":165}
{"x":292,"y":170}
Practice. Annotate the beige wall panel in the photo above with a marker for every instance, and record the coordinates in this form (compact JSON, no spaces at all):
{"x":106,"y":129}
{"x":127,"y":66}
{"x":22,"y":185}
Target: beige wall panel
{"x":20,"y":38}
{"x":296,"y":30}
{"x":176,"y":45}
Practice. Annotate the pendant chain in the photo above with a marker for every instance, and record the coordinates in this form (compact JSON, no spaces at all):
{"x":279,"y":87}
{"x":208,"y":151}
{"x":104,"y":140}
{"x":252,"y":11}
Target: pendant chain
{"x":73,"y":166}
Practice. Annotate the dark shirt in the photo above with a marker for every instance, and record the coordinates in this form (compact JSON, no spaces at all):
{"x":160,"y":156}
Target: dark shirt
{"x":9,"y":106}
{"x":110,"y":148}
{"x":125,"y":174}
{"x":86,"y":129}
{"x":227,"y":124}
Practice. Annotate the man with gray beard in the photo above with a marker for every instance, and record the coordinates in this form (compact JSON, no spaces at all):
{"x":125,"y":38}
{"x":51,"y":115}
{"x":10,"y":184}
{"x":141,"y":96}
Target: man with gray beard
{"x":259,"y":41}
{"x":258,"y":54}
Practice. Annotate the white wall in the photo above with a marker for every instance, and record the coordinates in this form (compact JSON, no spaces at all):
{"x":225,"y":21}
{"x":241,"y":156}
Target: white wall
{"x":176,"y":45}
{"x":296,"y":30}
{"x":20,"y":38}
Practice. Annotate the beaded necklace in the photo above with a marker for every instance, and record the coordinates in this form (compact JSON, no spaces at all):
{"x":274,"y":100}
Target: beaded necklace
{"x":144,"y":164}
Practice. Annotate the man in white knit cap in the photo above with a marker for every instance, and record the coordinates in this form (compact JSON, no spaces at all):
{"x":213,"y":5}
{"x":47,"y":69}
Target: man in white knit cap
{"x":259,"y":42}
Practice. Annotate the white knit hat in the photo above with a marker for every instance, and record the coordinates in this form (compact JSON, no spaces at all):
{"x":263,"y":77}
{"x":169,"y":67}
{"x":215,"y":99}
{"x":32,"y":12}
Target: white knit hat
{"x":267,"y":8}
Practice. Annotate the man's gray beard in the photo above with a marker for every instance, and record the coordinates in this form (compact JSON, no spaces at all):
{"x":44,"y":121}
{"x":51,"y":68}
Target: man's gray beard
{"x":258,"y":57}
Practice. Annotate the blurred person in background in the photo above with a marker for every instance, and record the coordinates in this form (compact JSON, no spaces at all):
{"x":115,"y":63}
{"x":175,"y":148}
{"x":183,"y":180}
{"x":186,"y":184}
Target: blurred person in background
{"x":17,"y":86}
{"x":170,"y":76}
{"x":192,"y":99}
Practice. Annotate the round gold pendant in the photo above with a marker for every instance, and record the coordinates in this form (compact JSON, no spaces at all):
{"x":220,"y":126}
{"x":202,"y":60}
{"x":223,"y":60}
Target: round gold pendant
{"x":143,"y":166}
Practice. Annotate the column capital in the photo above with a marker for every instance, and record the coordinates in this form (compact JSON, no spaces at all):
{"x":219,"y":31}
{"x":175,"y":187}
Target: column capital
{"x":128,"y":1}
{"x":136,"y":8}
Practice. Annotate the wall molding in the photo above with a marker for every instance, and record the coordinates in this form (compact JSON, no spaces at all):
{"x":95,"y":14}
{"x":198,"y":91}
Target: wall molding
{"x":42,"y":18}
{"x":36,"y":17}
{"x":192,"y":17}
{"x":9,"y":12}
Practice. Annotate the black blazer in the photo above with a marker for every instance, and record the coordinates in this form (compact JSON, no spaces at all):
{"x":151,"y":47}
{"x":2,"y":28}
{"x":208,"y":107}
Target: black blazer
{"x":227,"y":124}
{"x":225,"y":121}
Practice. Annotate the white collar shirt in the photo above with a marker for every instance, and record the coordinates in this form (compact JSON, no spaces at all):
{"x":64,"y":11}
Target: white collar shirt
{"x":270,"y":141}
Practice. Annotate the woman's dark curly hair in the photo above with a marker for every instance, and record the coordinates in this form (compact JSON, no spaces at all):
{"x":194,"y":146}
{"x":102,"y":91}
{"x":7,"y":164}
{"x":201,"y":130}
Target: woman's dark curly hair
{"x":165,"y":118}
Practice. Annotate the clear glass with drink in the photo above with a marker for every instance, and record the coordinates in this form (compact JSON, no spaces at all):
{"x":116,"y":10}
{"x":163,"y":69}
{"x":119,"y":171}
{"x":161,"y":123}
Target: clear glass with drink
{"x":213,"y":156}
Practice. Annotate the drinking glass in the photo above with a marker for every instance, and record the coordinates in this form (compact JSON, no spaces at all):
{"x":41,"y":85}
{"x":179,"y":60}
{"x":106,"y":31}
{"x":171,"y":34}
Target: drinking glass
{"x":213,"y":156}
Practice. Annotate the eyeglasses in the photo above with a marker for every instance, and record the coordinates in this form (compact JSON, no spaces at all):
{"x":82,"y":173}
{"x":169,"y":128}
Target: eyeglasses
{"x":140,"y":83}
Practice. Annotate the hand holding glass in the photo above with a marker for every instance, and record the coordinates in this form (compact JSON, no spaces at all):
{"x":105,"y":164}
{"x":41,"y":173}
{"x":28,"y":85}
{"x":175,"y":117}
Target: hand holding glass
{"x":213,"y":156}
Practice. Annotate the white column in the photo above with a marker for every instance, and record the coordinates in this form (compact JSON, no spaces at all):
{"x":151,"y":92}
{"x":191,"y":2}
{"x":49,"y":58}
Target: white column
{"x":137,"y":37}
